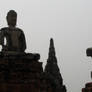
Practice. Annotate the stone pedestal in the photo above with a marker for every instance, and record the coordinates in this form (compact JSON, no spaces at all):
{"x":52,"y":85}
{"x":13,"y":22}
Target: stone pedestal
{"x":22,"y":73}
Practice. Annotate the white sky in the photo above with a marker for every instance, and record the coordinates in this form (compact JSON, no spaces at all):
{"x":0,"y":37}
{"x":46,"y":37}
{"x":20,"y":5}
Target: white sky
{"x":69,"y":22}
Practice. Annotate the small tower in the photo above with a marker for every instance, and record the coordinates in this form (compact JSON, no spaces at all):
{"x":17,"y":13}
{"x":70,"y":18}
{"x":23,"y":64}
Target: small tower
{"x":52,"y":70}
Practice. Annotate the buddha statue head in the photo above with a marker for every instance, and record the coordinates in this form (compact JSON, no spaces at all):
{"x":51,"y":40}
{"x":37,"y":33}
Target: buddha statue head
{"x":11,"y":18}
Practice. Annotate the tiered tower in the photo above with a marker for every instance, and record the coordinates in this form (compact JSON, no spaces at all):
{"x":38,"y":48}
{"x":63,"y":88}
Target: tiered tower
{"x":52,"y":70}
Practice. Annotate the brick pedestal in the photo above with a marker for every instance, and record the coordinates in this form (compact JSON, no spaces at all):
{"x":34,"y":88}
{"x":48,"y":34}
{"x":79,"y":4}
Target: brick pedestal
{"x":22,"y":74}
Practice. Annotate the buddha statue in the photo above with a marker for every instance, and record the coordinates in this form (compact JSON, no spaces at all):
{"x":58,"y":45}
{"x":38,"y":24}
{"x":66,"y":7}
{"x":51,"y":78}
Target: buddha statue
{"x":12,"y":39}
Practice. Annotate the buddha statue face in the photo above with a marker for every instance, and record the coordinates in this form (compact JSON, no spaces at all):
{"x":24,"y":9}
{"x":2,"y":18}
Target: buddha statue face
{"x":11,"y":18}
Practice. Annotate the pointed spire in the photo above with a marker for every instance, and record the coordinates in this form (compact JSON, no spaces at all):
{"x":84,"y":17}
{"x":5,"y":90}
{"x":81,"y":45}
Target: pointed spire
{"x":51,"y":43}
{"x":52,"y":70}
{"x":51,"y":55}
{"x":51,"y":48}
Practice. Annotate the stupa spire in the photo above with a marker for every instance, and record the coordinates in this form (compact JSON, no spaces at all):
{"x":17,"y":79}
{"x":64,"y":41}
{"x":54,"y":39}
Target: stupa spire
{"x":52,"y":70}
{"x":52,"y":53}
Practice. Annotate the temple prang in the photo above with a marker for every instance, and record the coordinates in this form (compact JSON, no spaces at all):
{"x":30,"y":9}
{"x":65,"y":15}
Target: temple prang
{"x":52,"y":70}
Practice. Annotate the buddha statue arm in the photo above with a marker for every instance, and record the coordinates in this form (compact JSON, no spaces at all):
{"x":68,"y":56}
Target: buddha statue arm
{"x":23,"y":42}
{"x":1,"y":38}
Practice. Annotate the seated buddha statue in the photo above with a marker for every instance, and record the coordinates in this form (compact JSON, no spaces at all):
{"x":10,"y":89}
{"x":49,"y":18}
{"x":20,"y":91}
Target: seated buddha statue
{"x":14,"y":37}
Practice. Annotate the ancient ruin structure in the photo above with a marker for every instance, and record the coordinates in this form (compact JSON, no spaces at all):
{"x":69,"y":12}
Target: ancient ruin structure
{"x":52,"y":70}
{"x":88,"y":86}
{"x":21,"y":71}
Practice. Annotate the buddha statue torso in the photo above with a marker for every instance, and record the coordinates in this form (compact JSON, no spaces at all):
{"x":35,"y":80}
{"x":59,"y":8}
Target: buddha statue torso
{"x":15,"y":39}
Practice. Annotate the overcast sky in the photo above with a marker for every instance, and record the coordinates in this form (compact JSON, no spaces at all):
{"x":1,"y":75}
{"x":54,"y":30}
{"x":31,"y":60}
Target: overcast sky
{"x":69,"y":22}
